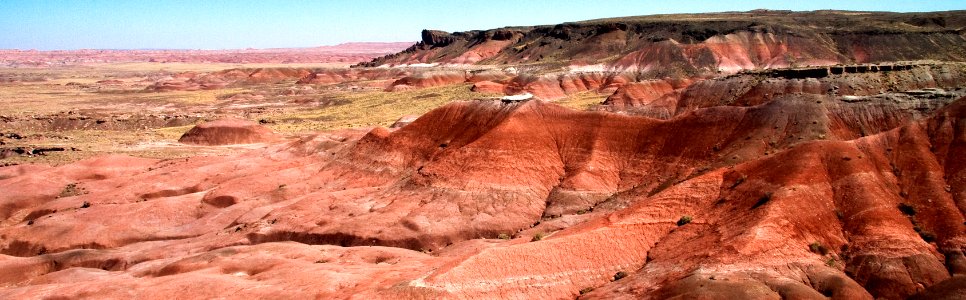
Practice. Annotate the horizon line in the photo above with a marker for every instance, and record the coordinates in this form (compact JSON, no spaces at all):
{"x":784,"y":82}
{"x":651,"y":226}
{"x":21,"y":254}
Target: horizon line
{"x":200,"y":49}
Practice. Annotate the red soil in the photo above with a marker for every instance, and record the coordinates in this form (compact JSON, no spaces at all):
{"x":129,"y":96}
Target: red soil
{"x":487,"y":87}
{"x":228,"y":132}
{"x":882,"y":213}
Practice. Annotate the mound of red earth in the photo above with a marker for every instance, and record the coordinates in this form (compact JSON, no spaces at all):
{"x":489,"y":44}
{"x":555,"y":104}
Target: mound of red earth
{"x":228,"y":132}
{"x":192,"y":81}
{"x":428,"y":79}
{"x":687,"y":45}
{"x":660,"y":97}
{"x":332,"y":76}
{"x":802,"y":195}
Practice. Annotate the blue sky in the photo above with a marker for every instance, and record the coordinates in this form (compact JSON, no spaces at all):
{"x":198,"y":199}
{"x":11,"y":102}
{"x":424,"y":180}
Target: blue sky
{"x":217,"y":24}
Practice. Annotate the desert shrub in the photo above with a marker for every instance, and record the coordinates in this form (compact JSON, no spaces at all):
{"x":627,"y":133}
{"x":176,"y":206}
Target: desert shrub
{"x":684,"y":220}
{"x":586,"y":290}
{"x":830,"y":262}
{"x":818,"y":248}
{"x":504,"y":236}
{"x":70,"y":190}
{"x":86,"y":204}
{"x":537,"y":237}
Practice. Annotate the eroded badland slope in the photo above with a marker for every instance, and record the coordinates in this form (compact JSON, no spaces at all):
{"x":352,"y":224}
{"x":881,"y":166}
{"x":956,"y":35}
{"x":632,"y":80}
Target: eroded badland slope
{"x":813,"y":182}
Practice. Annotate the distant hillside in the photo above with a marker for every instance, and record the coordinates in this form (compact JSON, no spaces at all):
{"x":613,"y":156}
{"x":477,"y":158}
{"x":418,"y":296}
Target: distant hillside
{"x":694,"y":44}
{"x":347,"y":52}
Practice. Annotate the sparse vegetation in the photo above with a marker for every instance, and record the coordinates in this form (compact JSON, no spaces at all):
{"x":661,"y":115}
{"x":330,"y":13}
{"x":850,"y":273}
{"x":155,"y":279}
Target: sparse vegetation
{"x":537,"y":237}
{"x":504,"y":236}
{"x":70,"y":190}
{"x":586,"y":290}
{"x":684,"y":220}
{"x":321,"y":107}
{"x":818,"y":248}
{"x":85,"y":205}
{"x":830,"y":262}
{"x":583,"y":100}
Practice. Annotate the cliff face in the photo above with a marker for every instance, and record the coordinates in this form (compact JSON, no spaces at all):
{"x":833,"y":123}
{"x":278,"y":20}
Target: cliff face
{"x":704,"y":43}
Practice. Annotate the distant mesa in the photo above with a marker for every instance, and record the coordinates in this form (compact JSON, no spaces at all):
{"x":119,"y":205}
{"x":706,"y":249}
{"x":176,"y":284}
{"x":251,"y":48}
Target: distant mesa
{"x":228,"y":132}
{"x":687,"y":45}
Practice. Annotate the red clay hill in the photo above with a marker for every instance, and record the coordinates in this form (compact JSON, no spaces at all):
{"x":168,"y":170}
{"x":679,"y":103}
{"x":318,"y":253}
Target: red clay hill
{"x":785,"y":183}
{"x":228,"y":132}
{"x":488,"y":199}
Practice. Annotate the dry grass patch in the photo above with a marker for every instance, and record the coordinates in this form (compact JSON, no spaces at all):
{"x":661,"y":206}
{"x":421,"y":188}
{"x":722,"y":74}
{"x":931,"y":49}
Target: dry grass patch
{"x":373,"y":108}
{"x":583,"y":100}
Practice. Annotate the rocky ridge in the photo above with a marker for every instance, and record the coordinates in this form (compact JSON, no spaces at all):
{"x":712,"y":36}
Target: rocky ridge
{"x":688,"y":45}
